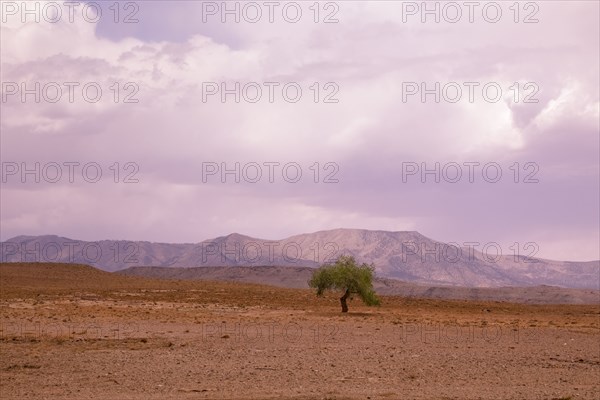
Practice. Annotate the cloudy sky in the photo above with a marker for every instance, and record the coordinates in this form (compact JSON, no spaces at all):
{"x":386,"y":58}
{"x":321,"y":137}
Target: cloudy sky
{"x":394,"y":120}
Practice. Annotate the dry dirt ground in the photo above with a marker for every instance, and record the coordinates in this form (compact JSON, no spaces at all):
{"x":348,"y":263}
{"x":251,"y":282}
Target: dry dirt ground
{"x":74,"y":332}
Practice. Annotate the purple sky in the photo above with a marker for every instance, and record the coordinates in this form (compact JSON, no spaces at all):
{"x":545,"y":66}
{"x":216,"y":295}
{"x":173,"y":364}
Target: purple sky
{"x":374,"y":132}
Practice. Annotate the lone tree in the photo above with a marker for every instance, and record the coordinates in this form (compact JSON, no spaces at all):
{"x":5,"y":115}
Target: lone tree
{"x":347,"y":276}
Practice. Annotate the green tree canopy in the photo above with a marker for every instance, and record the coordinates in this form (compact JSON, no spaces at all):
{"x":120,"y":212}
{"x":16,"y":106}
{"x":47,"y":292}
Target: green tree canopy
{"x":346,"y":275}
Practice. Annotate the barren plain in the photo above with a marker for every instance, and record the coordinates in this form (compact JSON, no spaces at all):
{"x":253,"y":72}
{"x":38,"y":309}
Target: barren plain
{"x":74,"y":332}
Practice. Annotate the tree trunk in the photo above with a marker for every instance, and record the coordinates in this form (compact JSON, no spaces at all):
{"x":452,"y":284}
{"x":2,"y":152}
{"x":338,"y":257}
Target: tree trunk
{"x":343,"y":301}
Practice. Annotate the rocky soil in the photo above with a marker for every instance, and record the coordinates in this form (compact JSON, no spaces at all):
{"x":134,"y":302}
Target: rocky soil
{"x":73,"y":332}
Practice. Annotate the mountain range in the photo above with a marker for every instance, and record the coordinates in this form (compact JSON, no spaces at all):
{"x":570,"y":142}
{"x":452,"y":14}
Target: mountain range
{"x":404,"y":255}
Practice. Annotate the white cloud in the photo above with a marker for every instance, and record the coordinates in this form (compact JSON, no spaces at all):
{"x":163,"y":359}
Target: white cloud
{"x":370,"y":132}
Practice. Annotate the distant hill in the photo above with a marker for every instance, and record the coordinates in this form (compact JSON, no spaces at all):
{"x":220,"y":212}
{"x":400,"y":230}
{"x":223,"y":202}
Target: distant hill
{"x":406,"y":255}
{"x":16,"y":279}
{"x":297,"y":277}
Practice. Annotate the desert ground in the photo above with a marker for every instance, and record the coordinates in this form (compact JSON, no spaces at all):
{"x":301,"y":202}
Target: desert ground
{"x":75,"y":332}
